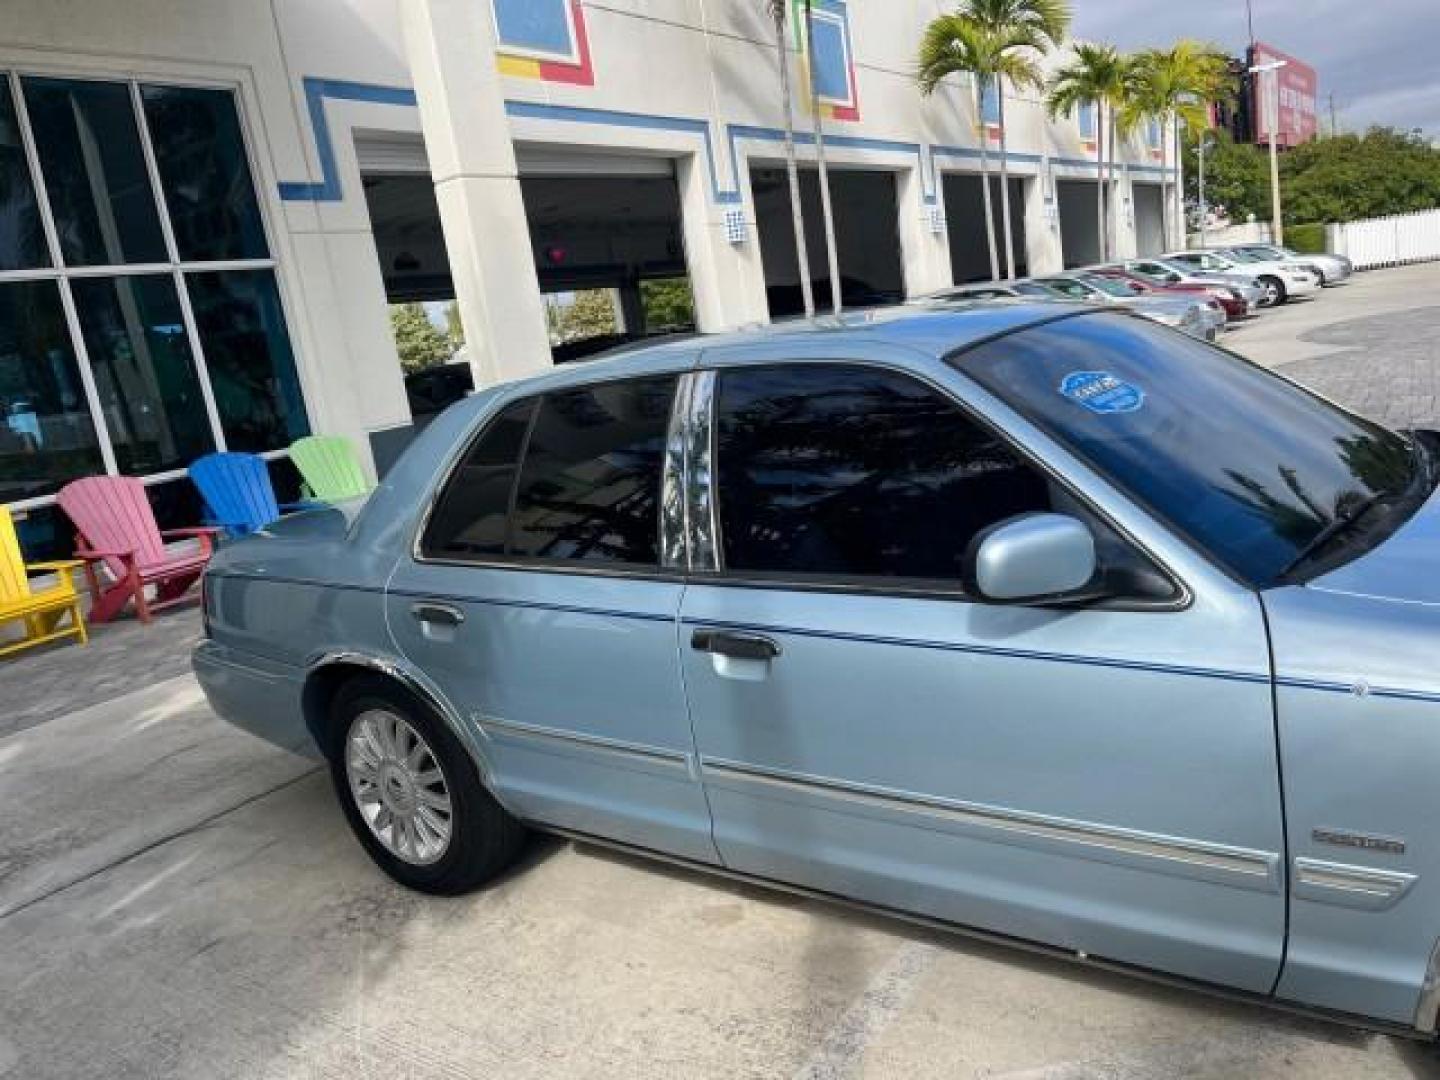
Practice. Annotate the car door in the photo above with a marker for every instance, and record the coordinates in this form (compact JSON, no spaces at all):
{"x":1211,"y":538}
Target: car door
{"x":1102,"y":779}
{"x":536,"y":601}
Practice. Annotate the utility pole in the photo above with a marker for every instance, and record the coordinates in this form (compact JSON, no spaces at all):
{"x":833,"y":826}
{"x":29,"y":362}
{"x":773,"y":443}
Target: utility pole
{"x":1272,"y":121}
{"x":1334,"y":123}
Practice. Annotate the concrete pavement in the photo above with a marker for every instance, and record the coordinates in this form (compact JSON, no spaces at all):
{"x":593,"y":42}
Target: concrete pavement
{"x":179,"y":900}
{"x":192,"y":905}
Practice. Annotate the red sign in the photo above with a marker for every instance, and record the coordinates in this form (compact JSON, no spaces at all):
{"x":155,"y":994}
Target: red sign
{"x":1298,"y":87}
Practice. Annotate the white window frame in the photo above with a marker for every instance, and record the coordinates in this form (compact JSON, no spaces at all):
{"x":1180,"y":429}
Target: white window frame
{"x":572,"y":57}
{"x":11,"y":76}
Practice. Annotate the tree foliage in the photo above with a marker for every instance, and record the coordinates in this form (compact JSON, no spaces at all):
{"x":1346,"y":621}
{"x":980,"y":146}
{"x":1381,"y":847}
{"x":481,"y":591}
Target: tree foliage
{"x":1347,"y":178}
{"x":1351,"y":177}
{"x":668,"y":303}
{"x":420,"y":343}
{"x":589,"y":314}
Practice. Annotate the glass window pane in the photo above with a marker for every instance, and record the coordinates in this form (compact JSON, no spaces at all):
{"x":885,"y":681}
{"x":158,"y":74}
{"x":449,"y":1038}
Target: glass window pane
{"x":201,"y":158}
{"x":247,"y":352}
{"x":144,"y":371}
{"x":94,"y":171}
{"x":22,"y":240}
{"x":469,"y":519}
{"x":853,"y":472}
{"x":590,"y":485}
{"x":47,"y":436}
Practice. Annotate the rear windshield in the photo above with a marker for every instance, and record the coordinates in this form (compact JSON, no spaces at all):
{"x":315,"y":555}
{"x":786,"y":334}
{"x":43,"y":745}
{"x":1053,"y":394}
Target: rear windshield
{"x":1246,"y":465}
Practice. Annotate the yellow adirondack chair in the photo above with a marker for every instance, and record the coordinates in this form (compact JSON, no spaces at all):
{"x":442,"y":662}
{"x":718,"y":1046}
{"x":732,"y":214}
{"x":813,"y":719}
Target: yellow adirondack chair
{"x":42,"y":612}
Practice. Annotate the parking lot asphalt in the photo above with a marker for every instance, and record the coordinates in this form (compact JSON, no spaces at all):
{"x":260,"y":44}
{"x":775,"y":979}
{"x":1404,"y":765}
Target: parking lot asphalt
{"x":180,"y":900}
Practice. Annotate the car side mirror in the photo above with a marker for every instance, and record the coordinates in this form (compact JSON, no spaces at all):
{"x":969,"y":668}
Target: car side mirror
{"x":1031,"y":557}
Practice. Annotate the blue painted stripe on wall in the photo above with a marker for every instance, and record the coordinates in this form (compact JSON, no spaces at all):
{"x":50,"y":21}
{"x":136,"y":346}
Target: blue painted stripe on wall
{"x":316,"y":91}
{"x":724,"y":192}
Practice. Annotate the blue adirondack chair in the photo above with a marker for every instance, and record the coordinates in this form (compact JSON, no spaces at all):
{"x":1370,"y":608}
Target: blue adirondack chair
{"x":239,"y":497}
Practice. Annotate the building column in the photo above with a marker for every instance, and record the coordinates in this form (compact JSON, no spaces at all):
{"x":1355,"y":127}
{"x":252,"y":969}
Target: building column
{"x":727,"y":279}
{"x":1042,"y":224}
{"x":924,"y":252}
{"x":450,"y":45}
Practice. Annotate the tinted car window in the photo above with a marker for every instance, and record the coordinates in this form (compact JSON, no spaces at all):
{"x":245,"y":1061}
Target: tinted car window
{"x":846,"y":471}
{"x":470,"y":516}
{"x":590,"y":484}
{"x":1247,"y":465}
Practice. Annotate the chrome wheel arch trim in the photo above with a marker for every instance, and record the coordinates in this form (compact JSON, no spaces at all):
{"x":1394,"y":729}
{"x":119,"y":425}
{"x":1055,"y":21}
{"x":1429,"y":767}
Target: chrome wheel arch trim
{"x":417,"y":683}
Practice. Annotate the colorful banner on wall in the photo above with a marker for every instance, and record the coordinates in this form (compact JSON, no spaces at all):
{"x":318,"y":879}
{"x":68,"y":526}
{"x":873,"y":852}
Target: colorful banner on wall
{"x":543,"y":39}
{"x":833,"y":65}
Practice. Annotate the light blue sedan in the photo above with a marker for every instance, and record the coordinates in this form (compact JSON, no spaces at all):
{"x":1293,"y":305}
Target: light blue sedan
{"x":1033,"y":620}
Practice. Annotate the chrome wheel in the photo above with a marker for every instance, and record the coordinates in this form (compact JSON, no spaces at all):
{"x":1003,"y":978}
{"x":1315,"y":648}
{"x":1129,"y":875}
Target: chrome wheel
{"x":398,"y":787}
{"x":1272,"y":292}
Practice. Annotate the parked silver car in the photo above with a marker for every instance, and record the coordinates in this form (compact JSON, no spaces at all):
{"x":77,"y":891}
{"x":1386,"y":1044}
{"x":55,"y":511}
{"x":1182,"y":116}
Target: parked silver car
{"x":1281,"y":279}
{"x":1164,"y":270}
{"x":1005,"y":617}
{"x":1197,"y":316}
{"x":1333,"y":269}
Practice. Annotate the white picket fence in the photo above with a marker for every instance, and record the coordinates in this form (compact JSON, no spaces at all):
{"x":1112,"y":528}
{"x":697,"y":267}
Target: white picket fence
{"x":1388,"y":241}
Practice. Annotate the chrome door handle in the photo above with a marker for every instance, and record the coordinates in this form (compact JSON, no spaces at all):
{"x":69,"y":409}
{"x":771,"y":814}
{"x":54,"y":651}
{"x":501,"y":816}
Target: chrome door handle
{"x":737,"y":646}
{"x":437,"y":614}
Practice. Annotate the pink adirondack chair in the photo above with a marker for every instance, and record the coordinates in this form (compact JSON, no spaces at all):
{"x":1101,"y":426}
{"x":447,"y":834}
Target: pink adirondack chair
{"x":115,"y":526}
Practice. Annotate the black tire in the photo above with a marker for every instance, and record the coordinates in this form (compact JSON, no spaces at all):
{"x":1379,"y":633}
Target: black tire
{"x":1274,"y":286}
{"x":484,"y":838}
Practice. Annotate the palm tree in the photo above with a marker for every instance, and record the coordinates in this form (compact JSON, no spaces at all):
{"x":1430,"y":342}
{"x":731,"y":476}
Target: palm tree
{"x":1101,"y":76}
{"x":1176,"y":86}
{"x":992,"y":41}
{"x":827,"y":212}
{"x":1022,"y":28}
{"x":776,"y":8}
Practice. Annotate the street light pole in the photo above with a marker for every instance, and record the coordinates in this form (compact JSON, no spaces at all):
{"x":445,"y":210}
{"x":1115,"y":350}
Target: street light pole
{"x":1272,"y":121}
{"x":1204,"y":206}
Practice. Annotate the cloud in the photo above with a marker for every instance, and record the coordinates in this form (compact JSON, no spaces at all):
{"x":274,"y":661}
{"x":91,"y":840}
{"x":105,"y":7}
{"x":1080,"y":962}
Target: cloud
{"x":1376,"y":58}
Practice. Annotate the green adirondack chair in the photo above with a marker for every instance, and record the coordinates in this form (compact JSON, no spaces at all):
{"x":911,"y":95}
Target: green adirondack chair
{"x":329,"y":468}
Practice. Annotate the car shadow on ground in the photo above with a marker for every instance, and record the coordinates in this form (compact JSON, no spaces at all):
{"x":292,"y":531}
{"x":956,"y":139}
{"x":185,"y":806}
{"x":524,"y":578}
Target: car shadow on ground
{"x":839,"y":916}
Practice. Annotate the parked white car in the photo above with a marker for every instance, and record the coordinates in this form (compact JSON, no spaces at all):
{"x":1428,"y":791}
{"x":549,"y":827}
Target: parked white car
{"x":1333,"y":269}
{"x":1280,"y":278}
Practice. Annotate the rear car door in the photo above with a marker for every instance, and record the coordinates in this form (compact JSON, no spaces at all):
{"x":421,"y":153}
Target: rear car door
{"x":536,"y":601}
{"x":1102,"y":779}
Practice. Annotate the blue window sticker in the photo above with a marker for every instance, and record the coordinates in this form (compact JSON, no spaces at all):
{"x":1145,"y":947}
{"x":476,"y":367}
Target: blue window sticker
{"x":1102,"y":392}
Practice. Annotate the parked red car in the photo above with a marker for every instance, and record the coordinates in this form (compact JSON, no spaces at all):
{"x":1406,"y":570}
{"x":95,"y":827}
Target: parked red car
{"x":1236,"y":306}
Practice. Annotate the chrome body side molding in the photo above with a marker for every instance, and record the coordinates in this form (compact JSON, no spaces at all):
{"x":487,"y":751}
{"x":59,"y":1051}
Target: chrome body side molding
{"x":1350,"y":886}
{"x":1240,"y":867}
{"x":557,"y":739}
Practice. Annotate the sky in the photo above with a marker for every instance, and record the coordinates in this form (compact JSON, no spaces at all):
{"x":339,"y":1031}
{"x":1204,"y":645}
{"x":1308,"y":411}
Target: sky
{"x":1378,"y":57}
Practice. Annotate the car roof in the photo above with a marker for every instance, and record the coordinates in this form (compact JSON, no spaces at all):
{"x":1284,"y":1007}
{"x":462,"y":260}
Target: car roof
{"x":933,"y":329}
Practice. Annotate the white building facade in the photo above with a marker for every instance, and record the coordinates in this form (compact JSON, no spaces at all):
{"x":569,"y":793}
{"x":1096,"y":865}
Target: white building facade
{"x":206,"y":205}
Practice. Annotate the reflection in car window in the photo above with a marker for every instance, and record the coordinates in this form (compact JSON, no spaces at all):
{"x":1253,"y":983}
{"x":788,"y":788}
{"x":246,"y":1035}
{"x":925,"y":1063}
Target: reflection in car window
{"x":469,"y":519}
{"x":589,"y":487}
{"x":1245,"y":464}
{"x":847,"y":471}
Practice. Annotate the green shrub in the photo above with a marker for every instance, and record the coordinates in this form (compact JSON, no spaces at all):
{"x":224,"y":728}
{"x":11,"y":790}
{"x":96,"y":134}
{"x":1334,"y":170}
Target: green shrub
{"x":1306,"y":238}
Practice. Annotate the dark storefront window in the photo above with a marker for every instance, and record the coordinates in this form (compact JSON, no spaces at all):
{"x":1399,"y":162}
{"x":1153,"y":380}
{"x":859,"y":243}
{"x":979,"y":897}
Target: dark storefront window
{"x":46,"y":434}
{"x":140,"y":317}
{"x":247,"y":349}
